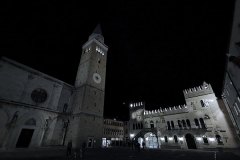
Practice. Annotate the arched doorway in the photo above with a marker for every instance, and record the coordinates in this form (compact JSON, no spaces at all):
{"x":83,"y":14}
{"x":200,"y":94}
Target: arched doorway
{"x":190,"y":141}
{"x":140,"y":141}
{"x":151,"y":140}
{"x":26,"y":134}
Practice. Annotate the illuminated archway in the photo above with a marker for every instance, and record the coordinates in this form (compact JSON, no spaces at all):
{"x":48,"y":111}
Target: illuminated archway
{"x":151,"y":140}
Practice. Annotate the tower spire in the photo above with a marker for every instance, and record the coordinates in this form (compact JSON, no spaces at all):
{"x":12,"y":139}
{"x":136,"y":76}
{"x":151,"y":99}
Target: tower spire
{"x":97,"y":30}
{"x":97,"y":34}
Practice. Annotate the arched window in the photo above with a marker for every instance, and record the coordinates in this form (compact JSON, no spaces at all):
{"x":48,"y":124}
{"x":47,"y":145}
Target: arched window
{"x":166,"y":140}
{"x":141,"y":126}
{"x":172,"y":124}
{"x":184,"y":124}
{"x":151,"y":124}
{"x":219,"y":139}
{"x":133,"y":126}
{"x":188,"y":123}
{"x":168,"y":125}
{"x":202,"y":103}
{"x":202,"y":123}
{"x":179,"y":124}
{"x":196,"y":122}
{"x":175,"y":139}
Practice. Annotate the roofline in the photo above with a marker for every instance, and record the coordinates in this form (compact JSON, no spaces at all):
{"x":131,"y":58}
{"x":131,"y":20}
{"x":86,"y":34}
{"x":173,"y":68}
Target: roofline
{"x":33,"y":71}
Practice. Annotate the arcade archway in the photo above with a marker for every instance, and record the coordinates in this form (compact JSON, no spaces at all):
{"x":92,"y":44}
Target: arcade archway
{"x":190,"y":141}
{"x":151,"y":140}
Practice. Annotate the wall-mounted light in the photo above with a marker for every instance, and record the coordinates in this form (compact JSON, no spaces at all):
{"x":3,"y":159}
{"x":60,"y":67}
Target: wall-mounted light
{"x":131,"y":135}
{"x":211,"y":139}
{"x":162,"y":138}
{"x":180,"y":138}
{"x":170,"y":138}
{"x":199,"y":138}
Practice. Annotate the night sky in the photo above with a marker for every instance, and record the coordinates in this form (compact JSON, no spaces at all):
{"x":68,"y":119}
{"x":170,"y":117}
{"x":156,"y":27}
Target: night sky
{"x":155,"y":49}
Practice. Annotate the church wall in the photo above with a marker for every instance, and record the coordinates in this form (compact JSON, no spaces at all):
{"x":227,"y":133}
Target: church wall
{"x":12,"y":127}
{"x":18,"y":83}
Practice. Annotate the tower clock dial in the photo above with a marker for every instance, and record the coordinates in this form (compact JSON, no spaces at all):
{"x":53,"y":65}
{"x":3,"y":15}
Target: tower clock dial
{"x":97,"y":78}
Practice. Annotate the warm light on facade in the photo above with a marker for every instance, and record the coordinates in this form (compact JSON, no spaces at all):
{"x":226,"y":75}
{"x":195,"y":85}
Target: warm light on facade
{"x":131,"y":135}
{"x":199,"y":138}
{"x":180,"y":138}
{"x":211,"y":139}
{"x":170,"y":138}
{"x":162,"y":138}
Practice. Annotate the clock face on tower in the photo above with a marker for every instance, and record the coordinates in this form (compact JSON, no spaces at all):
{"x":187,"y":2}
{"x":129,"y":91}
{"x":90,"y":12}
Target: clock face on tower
{"x":137,"y":115}
{"x":97,"y":78}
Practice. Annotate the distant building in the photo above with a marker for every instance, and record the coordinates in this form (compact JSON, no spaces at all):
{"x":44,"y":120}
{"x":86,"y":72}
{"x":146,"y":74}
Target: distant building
{"x":39,"y":110}
{"x":113,"y":133}
{"x":231,"y":89}
{"x":200,"y":123}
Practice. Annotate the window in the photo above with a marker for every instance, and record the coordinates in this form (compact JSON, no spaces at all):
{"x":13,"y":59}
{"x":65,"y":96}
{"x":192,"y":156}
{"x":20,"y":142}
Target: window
{"x":168,"y":125}
{"x":188,"y":123}
{"x":202,"y":103}
{"x":151,"y":124}
{"x":172,"y":124}
{"x":184,"y":123}
{"x":133,"y":126}
{"x":179,"y":124}
{"x":196,"y":122}
{"x":39,"y":95}
{"x":175,"y":139}
{"x":202,"y":123}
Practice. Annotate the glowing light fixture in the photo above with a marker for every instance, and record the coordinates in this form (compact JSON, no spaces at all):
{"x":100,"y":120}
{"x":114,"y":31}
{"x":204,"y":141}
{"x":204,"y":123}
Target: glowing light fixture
{"x":199,"y":138}
{"x":211,"y":139}
{"x":131,"y":135}
{"x":162,"y":138}
{"x":170,"y":138}
{"x":180,"y":138}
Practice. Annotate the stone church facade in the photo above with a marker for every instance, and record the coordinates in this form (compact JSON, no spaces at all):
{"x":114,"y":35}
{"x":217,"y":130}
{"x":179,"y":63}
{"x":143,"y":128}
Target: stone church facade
{"x":202,"y":122}
{"x":39,"y":110}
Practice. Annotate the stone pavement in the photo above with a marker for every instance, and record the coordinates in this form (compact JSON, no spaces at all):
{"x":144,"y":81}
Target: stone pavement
{"x":59,"y":153}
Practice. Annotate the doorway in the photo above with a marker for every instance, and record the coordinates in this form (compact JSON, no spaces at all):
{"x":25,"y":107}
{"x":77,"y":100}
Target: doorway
{"x":190,"y":141}
{"x":90,"y":143}
{"x":24,"y":138}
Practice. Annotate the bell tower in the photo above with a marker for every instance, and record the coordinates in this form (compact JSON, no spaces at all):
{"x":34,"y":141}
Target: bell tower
{"x":86,"y":123}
